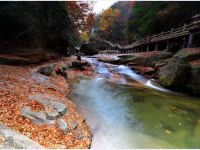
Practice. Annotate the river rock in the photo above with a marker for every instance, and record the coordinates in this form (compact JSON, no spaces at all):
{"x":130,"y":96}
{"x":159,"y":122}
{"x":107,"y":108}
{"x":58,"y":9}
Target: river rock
{"x":62,"y":125}
{"x":88,"y":49}
{"x":62,"y":71}
{"x":189,"y":54}
{"x":42,"y":79}
{"x":175,"y":74}
{"x":72,"y":125}
{"x":48,"y":101}
{"x":194,"y":81}
{"x":46,"y":70}
{"x":180,"y":74}
{"x":14,"y":140}
{"x":36,"y":117}
{"x":80,"y":65}
{"x":151,"y":59}
{"x":52,"y":115}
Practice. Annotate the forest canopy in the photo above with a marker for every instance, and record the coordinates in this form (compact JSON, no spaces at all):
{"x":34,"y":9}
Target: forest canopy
{"x":48,"y":25}
{"x":138,"y":19}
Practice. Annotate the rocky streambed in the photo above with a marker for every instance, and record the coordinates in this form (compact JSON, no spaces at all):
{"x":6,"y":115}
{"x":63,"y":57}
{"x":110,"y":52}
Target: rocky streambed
{"x":179,"y":71}
{"x":126,"y":110}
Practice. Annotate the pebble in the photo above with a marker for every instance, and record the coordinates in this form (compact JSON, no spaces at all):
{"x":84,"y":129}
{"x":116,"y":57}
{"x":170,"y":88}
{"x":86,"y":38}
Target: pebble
{"x":62,"y":125}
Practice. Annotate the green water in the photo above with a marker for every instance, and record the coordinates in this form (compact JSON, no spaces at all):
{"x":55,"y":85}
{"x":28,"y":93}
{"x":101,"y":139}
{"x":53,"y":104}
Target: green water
{"x":121,"y":116}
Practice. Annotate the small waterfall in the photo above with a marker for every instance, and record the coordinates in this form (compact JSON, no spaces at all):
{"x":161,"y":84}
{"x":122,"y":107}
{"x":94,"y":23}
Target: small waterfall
{"x":106,"y":70}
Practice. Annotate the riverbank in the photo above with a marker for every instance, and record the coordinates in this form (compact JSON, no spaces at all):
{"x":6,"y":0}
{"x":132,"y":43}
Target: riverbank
{"x":34,"y":105}
{"x":129,"y":111}
{"x":178,"y":72}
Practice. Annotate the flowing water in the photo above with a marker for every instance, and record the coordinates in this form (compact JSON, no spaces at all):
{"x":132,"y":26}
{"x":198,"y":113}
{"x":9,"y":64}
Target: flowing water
{"x":147,"y":116}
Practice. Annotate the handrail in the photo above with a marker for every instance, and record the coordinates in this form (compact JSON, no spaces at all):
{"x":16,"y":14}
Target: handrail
{"x":177,"y":32}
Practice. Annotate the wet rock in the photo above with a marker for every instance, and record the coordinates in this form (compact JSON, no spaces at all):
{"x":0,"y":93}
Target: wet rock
{"x":175,"y":74}
{"x":197,"y":130}
{"x":52,"y":115}
{"x":73,"y":125}
{"x":62,"y":71}
{"x":180,"y":74}
{"x":48,"y":101}
{"x":144,"y":59}
{"x":42,"y":79}
{"x":36,"y":117}
{"x":46,"y":70}
{"x":194,"y":81}
{"x":62,"y":125}
{"x":143,"y":70}
{"x":88,"y":49}
{"x":109,"y":60}
{"x":189,"y":54}
{"x":14,"y":140}
{"x":80,"y":65}
{"x":160,"y":64}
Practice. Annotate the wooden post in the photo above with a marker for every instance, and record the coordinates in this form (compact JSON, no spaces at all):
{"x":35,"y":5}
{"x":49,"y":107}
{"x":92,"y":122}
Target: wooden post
{"x":184,"y":26}
{"x":147,"y":48}
{"x":184,"y":42}
{"x":171,"y":32}
{"x":167,"y":46}
{"x":190,"y":40}
{"x":156,"y":48}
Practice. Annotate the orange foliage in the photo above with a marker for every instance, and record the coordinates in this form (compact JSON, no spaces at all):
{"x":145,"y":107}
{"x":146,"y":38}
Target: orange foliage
{"x":81,"y":14}
{"x":107,"y":18}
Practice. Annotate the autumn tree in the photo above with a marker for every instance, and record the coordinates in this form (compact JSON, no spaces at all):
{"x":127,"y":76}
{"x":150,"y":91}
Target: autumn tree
{"x":106,"y":20}
{"x":81,"y":14}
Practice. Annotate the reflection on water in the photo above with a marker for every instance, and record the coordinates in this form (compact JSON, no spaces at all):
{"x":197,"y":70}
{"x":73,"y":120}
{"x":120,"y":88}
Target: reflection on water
{"x":128,"y":117}
{"x":122,"y":116}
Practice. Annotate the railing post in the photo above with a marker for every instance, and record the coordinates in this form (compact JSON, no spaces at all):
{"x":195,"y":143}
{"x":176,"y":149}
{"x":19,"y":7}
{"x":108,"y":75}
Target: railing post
{"x":161,"y":34}
{"x":147,"y":48}
{"x":190,"y":40}
{"x":167,"y":47}
{"x":184,"y":27}
{"x":171,"y":32}
{"x":184,"y":42}
{"x":156,"y":48}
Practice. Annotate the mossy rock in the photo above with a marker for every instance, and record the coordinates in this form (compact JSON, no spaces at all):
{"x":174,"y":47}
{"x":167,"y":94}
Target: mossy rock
{"x":175,"y":74}
{"x":194,"y":80}
{"x":188,"y":54}
{"x":88,"y":49}
{"x":80,"y":65}
{"x":46,"y":70}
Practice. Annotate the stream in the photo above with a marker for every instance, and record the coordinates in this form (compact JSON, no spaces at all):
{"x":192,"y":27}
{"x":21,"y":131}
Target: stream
{"x":145,"y":116}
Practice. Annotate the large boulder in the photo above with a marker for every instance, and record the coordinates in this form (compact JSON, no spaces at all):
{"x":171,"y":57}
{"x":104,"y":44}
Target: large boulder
{"x":80,"y":65}
{"x":175,"y":74}
{"x":151,"y":58}
{"x":88,"y":49}
{"x":193,"y":84}
{"x":148,"y":59}
{"x":10,"y":139}
{"x":189,"y":54}
{"x":62,"y":125}
{"x":36,"y":117}
{"x":47,"y":70}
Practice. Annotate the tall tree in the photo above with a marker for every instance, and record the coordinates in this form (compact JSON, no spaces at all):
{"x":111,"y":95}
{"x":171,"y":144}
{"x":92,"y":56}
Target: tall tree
{"x":156,"y":16}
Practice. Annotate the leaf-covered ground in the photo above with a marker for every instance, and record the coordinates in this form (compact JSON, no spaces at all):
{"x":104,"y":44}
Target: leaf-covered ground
{"x":16,"y":85}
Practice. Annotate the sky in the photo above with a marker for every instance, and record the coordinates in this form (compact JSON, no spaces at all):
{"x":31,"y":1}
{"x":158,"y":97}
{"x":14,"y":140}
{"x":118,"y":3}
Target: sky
{"x":102,"y":4}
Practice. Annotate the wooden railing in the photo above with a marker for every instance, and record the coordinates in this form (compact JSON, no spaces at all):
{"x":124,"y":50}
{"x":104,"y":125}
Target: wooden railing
{"x":173,"y":33}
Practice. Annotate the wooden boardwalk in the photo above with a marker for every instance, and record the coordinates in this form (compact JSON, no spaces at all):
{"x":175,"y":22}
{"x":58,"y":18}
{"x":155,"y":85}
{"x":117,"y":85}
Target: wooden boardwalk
{"x":184,"y":35}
